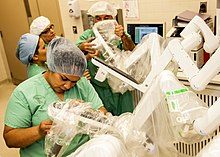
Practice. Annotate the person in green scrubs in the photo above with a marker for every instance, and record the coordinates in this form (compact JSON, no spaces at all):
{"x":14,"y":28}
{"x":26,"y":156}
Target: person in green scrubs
{"x":42,"y":27}
{"x":116,"y":103}
{"x":26,"y":119}
{"x":31,"y":51}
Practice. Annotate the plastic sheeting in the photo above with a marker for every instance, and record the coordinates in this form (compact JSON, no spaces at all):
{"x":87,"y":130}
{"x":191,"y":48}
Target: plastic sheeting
{"x":150,"y":130}
{"x":74,"y":116}
{"x":151,"y":116}
{"x":148,"y":52}
{"x":70,"y":118}
{"x":183,"y":106}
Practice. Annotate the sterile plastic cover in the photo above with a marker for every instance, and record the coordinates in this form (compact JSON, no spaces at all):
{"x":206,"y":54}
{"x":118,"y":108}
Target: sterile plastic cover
{"x":70,"y":118}
{"x":183,"y":107}
{"x":157,"y":126}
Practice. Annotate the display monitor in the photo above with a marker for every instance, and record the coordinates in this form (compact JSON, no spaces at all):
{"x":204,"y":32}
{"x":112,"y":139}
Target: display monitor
{"x":137,"y":31}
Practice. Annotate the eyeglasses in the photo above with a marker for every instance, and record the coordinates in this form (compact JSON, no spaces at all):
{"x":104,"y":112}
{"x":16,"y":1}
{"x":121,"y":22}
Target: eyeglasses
{"x":47,"y":30}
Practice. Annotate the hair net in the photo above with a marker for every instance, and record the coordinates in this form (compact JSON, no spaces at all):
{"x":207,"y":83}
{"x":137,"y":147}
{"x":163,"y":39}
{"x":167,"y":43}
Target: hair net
{"x":26,"y":47}
{"x":65,"y":58}
{"x":102,"y":8}
{"x":38,"y":25}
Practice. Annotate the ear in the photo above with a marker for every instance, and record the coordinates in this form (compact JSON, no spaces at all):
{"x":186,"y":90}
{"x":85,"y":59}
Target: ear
{"x":35,"y":57}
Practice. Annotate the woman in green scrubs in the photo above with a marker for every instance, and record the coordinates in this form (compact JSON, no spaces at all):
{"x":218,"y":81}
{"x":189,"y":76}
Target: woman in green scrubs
{"x":26,"y":120}
{"x":31,"y":51}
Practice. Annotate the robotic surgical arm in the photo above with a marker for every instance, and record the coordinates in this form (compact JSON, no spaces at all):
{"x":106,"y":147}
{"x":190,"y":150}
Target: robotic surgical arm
{"x":178,"y":49}
{"x":198,"y":78}
{"x":194,"y":33}
{"x":211,"y":44}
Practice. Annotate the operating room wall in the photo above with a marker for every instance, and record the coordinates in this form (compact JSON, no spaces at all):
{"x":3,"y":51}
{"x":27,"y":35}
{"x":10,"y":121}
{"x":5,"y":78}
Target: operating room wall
{"x":15,"y":23}
{"x":4,"y":68}
{"x":149,"y":11}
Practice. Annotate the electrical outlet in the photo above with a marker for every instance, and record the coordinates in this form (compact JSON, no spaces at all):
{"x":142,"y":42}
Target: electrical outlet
{"x":74,"y":29}
{"x":203,"y":7}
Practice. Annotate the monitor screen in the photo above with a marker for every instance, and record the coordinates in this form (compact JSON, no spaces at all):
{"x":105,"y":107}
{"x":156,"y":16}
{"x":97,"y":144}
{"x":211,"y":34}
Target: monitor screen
{"x":137,"y":31}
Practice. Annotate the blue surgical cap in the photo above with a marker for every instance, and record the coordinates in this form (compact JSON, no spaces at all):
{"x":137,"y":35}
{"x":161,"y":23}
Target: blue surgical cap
{"x":26,"y":47}
{"x":65,"y":58}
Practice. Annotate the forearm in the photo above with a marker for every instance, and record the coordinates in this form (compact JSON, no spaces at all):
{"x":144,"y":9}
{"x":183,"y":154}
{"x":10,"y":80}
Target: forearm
{"x":21,"y":137}
{"x":128,"y":44}
{"x":103,"y":109}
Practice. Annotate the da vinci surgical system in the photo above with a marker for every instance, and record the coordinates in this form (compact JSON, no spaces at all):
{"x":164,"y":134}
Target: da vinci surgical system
{"x":182,"y":117}
{"x":193,"y":34}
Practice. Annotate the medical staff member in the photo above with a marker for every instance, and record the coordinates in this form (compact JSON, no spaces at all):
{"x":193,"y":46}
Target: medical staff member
{"x":26,"y":119}
{"x":31,"y":51}
{"x":42,"y":27}
{"x":116,"y":103}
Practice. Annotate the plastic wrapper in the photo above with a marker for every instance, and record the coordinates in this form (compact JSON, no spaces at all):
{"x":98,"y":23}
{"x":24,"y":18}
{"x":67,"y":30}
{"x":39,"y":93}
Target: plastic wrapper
{"x":63,"y":129}
{"x":154,"y":137}
{"x":116,"y":84}
{"x":74,"y":116}
{"x":126,"y":141}
{"x":137,"y":142}
{"x":70,"y":118}
{"x":162,"y":133}
{"x":172,"y":65}
{"x":183,"y":106}
{"x":106,"y":29}
{"x":151,"y":116}
{"x":106,"y":38}
{"x":149,"y":49}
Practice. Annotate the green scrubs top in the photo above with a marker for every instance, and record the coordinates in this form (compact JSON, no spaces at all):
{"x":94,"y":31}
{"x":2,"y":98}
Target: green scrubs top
{"x":116,"y":103}
{"x":35,"y":69}
{"x":28,"y":106}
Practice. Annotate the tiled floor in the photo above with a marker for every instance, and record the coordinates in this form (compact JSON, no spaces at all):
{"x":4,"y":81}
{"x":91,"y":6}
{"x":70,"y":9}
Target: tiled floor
{"x":5,"y":89}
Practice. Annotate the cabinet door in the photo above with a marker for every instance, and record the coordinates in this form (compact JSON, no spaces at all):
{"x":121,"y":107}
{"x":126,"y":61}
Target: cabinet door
{"x":13,"y":23}
{"x":49,"y":9}
{"x":15,"y":19}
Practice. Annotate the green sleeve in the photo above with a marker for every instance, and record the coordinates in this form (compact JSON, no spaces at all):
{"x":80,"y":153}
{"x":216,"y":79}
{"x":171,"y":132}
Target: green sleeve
{"x":18,"y":114}
{"x":89,"y":94}
{"x":87,"y":34}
